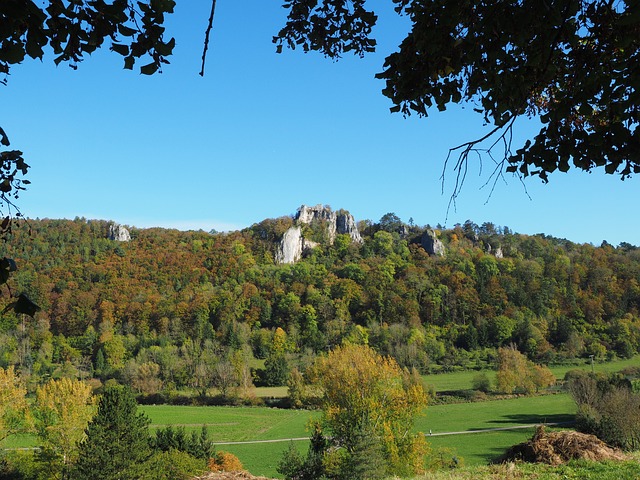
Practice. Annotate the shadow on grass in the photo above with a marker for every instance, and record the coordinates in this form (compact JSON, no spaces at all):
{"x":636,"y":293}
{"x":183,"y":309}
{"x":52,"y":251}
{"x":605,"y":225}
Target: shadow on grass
{"x":530,"y":418}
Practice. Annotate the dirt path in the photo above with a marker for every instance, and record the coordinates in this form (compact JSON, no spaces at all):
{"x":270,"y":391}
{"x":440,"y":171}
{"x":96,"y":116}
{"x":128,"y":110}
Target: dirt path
{"x":430,"y":434}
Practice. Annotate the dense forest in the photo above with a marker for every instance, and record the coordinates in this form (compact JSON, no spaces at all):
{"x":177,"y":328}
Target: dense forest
{"x":171,"y":310}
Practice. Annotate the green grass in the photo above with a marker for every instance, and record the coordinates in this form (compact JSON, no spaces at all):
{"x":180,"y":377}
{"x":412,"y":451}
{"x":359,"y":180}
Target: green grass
{"x":227,"y":424}
{"x":453,"y":380}
{"x":275,"y":392}
{"x":21,"y":440}
{"x":497,"y":413}
{"x":260,"y":423}
{"x":606,"y":367}
{"x":479,"y":448}
{"x":583,"y":470}
{"x":463,"y":380}
{"x":262,"y":459}
{"x":244,"y":423}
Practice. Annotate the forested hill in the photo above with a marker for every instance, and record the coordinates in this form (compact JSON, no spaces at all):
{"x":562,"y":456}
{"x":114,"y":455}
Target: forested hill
{"x":106,"y":302}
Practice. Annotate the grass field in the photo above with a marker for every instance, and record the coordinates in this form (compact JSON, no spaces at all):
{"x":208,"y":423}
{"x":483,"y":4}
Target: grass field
{"x":242,"y":424}
{"x":497,"y":413}
{"x":463,"y":380}
{"x":235,"y":424}
{"x":577,"y":469}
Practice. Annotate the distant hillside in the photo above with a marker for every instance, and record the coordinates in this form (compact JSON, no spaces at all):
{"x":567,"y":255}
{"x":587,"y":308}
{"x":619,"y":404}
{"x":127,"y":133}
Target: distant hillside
{"x":108,"y":303}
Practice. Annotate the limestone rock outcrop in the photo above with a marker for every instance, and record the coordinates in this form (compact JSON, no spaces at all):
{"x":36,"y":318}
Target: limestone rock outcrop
{"x":432,"y":244}
{"x":496,"y":253}
{"x":290,"y":250}
{"x":338,"y":223}
{"x":293,"y":244}
{"x":118,"y":233}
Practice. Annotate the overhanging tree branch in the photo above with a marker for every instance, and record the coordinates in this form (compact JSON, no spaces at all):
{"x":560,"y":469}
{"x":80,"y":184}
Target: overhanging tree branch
{"x":206,"y":36}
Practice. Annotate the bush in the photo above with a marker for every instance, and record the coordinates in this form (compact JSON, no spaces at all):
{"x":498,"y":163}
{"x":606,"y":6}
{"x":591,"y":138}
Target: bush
{"x":173,"y":465}
{"x":225,"y":462}
{"x":607,"y":408}
{"x":196,"y":445}
{"x":481,"y":382}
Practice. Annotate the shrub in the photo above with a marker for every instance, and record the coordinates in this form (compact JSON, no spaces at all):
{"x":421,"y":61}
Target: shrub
{"x":196,"y":445}
{"x":224,"y":462}
{"x":607,"y":408}
{"x":481,"y":382}
{"x":173,"y":465}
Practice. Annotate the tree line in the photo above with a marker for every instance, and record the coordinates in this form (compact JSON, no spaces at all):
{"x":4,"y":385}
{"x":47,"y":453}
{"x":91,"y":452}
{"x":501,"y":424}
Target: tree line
{"x":171,"y":310}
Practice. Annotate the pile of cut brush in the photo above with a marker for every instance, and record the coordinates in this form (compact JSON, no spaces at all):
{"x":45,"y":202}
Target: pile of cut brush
{"x":555,"y":448}
{"x":238,"y":475}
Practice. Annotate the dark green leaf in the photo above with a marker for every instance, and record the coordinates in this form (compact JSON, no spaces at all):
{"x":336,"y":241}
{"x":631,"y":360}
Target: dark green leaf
{"x":128,"y":62}
{"x":126,"y":31}
{"x":25,"y":305}
{"x":148,"y":69}
{"x":121,"y":49}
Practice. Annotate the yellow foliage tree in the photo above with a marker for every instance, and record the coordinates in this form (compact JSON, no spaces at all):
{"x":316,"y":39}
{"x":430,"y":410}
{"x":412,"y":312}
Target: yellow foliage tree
{"x":369,"y":402}
{"x":517,"y":374}
{"x":62,"y":411}
{"x":13,"y":405}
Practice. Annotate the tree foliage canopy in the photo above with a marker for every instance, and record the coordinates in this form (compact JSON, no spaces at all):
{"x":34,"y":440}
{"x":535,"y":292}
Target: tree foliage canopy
{"x":117,"y":439}
{"x":63,"y":408}
{"x":367,"y":396}
{"x":572,"y":63}
{"x":13,"y":403}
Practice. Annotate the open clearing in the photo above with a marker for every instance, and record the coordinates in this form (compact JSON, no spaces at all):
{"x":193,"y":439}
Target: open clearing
{"x":239,"y":424}
{"x":450,"y":381}
{"x":232,"y":424}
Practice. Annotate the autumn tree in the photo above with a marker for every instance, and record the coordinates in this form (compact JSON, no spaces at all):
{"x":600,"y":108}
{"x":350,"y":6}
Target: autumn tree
{"x":517,"y":374}
{"x":13,"y":404}
{"x":62,"y":410}
{"x":369,"y":404}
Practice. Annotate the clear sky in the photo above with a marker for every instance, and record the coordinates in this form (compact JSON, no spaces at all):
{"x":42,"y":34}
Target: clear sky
{"x":262,"y":134}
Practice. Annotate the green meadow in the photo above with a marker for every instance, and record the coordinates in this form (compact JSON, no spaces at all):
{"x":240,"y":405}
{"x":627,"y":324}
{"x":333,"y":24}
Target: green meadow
{"x":452,"y":381}
{"x":237,"y":424}
{"x":264,"y":425}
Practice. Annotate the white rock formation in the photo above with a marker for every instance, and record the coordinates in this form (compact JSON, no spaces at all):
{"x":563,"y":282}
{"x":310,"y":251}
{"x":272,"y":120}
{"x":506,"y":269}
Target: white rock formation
{"x":338,"y":223}
{"x":293,"y":245}
{"x":118,"y":233}
{"x":432,"y":244}
{"x":290,"y":250}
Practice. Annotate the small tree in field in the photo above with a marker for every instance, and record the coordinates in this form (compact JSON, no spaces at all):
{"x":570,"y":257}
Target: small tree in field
{"x":368,"y":409}
{"x":517,"y":374}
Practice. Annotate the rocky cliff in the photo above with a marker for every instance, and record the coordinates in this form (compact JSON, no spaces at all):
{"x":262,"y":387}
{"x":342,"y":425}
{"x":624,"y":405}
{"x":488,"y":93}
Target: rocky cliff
{"x":118,"y":233}
{"x":432,"y":244}
{"x":293,"y":244}
{"x":338,"y":223}
{"x":290,"y":250}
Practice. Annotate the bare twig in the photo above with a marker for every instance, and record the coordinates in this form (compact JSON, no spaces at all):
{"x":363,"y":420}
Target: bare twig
{"x":462,"y":162}
{"x":206,"y":36}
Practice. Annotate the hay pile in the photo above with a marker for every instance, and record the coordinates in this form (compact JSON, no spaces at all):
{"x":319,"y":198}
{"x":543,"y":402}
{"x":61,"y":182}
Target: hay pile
{"x":239,"y":475}
{"x":555,"y":448}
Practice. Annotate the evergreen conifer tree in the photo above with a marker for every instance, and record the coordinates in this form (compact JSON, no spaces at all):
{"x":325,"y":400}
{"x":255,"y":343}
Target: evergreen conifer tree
{"x":117,"y":443}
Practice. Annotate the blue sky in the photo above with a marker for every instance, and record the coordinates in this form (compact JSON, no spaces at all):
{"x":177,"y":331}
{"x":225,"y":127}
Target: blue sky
{"x":262,"y":134}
